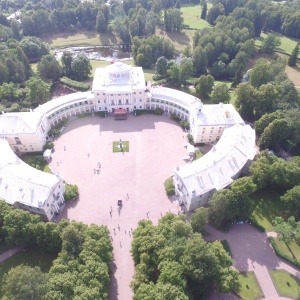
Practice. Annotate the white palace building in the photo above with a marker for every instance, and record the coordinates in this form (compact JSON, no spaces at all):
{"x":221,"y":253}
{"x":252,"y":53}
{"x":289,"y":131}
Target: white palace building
{"x":120,"y":86}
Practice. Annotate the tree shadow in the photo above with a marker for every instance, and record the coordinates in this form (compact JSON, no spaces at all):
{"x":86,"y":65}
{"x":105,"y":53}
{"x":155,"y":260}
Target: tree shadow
{"x":107,"y":39}
{"x":113,"y":284}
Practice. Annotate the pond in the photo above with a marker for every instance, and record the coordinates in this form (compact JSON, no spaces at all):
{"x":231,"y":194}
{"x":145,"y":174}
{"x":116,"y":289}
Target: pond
{"x":108,"y":53}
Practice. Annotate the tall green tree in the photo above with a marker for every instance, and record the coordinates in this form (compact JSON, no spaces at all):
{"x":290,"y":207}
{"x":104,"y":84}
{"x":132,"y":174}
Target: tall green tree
{"x":220,"y":93}
{"x":101,"y":25}
{"x":49,"y":68}
{"x":293,"y":58}
{"x":270,"y":43}
{"x":81,"y":67}
{"x":204,"y":11}
{"x":24,"y":282}
{"x":199,"y":219}
{"x":204,"y":86}
{"x":38,"y":91}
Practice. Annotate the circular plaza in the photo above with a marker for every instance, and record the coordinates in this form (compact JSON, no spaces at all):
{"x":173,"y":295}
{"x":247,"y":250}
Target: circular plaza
{"x":84,"y":156}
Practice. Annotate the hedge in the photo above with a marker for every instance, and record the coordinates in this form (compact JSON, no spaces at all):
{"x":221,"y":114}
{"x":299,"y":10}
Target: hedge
{"x":226,"y":247}
{"x":80,"y":86}
{"x":281,"y":254}
{"x":256,"y":225}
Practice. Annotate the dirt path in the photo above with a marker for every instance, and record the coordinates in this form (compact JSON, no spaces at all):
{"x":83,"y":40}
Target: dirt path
{"x":9,"y":253}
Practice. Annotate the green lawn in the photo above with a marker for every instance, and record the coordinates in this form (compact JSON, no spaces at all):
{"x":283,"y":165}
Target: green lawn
{"x":249,"y":288}
{"x":198,"y":154}
{"x":80,"y":38}
{"x":29,"y":159}
{"x":190,"y":12}
{"x":292,"y":250}
{"x":287,"y":44}
{"x":32,"y":257}
{"x":287,"y":285}
{"x":117,"y":149}
{"x":267,"y":207}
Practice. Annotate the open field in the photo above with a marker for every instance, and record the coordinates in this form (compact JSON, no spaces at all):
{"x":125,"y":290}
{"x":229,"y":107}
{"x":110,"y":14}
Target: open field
{"x":32,"y":257}
{"x":287,"y":44}
{"x":249,"y":288}
{"x":286,"y":284}
{"x":179,"y":39}
{"x":80,"y":38}
{"x":267,"y":207}
{"x":292,"y":250}
{"x":191,"y":14}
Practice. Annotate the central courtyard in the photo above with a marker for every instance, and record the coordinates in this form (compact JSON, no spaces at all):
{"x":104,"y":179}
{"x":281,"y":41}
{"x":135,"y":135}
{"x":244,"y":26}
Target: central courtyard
{"x":83,"y":156}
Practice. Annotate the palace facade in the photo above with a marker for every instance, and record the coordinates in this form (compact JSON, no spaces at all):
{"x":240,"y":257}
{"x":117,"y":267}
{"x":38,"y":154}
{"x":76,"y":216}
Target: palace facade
{"x":120,"y":86}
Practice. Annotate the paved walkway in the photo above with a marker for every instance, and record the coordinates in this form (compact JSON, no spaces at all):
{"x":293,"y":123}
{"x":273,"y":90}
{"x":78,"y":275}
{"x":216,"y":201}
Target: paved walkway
{"x":251,"y":251}
{"x":7,"y":254}
{"x":156,"y":147}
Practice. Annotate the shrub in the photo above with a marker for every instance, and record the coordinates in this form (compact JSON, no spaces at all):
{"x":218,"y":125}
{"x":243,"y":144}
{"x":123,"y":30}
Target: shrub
{"x":169,"y":186}
{"x":190,"y":139}
{"x":158,"y":111}
{"x":71,"y":192}
{"x":80,"y":86}
{"x":256,"y":225}
{"x":49,"y":145}
{"x":184,"y":124}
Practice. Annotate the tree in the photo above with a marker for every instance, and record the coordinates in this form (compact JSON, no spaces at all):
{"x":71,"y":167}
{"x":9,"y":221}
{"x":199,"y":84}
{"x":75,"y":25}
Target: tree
{"x":204,"y":11}
{"x":220,"y":93}
{"x":265,"y":120}
{"x":161,"y":66}
{"x":204,"y":86}
{"x":49,"y":68}
{"x":215,"y":11}
{"x":270,"y":43}
{"x":71,"y":192}
{"x":274,"y":134}
{"x":291,"y":200}
{"x":293,"y":58}
{"x":265,"y":100}
{"x":174,"y":72}
{"x":245,"y":100}
{"x":38,"y":91}
{"x":199,"y":219}
{"x":18,"y":228}
{"x":285,"y":230}
{"x":219,"y":210}
{"x":200,"y":60}
{"x":101,"y":25}
{"x":81,"y":67}
{"x":66,"y":60}
{"x":24,"y":282}
{"x":186,"y":70}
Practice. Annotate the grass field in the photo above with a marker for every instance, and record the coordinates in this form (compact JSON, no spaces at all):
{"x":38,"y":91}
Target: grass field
{"x":287,"y":44}
{"x":80,"y":38}
{"x":249,"y":288}
{"x":191,"y":15}
{"x":117,"y":149}
{"x":267,"y":207}
{"x":286,"y":284}
{"x":292,"y":250}
{"x":32,"y":257}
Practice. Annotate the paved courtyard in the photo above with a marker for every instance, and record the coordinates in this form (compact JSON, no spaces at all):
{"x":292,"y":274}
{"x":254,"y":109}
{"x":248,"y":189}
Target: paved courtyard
{"x":155,"y":149}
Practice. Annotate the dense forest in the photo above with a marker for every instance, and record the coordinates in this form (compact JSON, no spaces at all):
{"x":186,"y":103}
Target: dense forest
{"x":80,"y":249}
